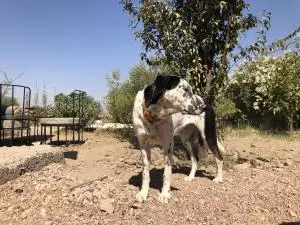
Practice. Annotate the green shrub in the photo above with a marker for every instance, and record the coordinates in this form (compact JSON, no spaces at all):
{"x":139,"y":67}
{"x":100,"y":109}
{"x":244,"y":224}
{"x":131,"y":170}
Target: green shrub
{"x":63,"y":107}
{"x":121,"y":96}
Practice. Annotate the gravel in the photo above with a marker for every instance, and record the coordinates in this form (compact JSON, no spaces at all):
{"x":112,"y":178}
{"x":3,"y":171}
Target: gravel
{"x":17,"y":160}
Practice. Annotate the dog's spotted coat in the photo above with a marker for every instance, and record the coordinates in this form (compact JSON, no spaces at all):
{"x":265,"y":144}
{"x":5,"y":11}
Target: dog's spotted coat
{"x":153,"y":124}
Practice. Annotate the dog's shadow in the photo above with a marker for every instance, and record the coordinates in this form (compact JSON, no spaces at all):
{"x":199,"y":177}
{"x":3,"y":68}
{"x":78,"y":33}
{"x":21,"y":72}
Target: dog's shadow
{"x":186,"y":171}
{"x":156,"y":177}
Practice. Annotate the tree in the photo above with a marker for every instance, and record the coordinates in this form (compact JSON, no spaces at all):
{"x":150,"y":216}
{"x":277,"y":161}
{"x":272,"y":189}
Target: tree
{"x":269,"y":85}
{"x":44,"y":97}
{"x":193,"y":37}
{"x":120,"y":98}
{"x":36,"y":95}
{"x":63,"y":107}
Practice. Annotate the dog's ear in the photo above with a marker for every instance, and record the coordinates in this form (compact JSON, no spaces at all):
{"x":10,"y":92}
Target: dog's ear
{"x":148,"y":95}
{"x":173,"y":82}
{"x":162,"y":83}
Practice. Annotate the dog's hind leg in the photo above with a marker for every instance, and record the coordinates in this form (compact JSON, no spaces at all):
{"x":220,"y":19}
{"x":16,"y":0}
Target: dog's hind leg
{"x":165,"y":194}
{"x":218,"y":153}
{"x":219,"y":161}
{"x":143,"y":193}
{"x":189,"y":148}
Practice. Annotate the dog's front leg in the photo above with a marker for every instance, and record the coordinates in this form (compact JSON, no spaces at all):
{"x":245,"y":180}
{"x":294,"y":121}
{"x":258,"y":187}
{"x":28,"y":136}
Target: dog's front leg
{"x":143,"y":193}
{"x":165,"y":194}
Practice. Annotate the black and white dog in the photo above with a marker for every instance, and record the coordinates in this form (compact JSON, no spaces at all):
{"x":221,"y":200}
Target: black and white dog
{"x":154,"y":124}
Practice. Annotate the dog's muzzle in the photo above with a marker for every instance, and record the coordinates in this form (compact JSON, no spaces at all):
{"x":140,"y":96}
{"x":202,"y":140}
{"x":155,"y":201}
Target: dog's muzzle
{"x":196,"y":107}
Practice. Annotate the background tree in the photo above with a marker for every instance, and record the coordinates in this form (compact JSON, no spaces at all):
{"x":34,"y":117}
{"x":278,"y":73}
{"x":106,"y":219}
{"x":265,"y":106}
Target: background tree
{"x":44,"y":97}
{"x":193,"y":37}
{"x":269,"y":85}
{"x":63,"y":107}
{"x":36,"y":97}
{"x":120,"y":98}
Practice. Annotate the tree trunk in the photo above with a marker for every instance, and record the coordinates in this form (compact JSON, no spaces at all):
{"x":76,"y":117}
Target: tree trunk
{"x":290,"y":123}
{"x":208,"y":88}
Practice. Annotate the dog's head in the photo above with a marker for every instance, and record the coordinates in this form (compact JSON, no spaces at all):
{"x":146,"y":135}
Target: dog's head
{"x":172,"y":94}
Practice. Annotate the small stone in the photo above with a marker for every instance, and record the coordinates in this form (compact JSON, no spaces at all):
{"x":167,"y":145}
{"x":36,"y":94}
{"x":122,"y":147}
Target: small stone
{"x":88,"y":195}
{"x":293,"y":214}
{"x":48,"y":199}
{"x":86,"y":202}
{"x":255,"y":163}
{"x":24,"y":215}
{"x":262,"y":159}
{"x":279,"y":165}
{"x":19,"y":190}
{"x":137,"y":205}
{"x":97,"y":194}
{"x":48,"y":223}
{"x":43,"y":212}
{"x":117,"y":172}
{"x":235,"y":156}
{"x":131,"y":212}
{"x":288,"y":162}
{"x":36,"y":143}
{"x":107,"y":206}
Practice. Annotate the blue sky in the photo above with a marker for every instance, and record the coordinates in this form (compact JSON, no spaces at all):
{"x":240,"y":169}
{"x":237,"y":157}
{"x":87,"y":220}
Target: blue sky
{"x":74,"y":44}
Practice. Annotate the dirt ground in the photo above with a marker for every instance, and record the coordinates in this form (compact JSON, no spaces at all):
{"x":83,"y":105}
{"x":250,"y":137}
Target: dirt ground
{"x":99,"y":179}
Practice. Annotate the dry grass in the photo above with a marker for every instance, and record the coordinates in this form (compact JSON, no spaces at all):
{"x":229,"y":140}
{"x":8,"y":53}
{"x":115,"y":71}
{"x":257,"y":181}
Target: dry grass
{"x":268,"y":134}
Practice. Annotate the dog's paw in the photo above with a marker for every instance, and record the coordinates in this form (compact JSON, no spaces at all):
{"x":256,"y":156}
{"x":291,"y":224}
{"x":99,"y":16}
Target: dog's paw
{"x":141,"y":196}
{"x":164,"y":197}
{"x":189,"y":178}
{"x":218,"y":179}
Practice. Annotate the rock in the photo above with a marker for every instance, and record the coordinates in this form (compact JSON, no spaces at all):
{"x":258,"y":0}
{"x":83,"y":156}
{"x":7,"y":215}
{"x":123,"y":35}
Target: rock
{"x":40,"y":187}
{"x":86,"y":202}
{"x":117,"y":172}
{"x":288,"y":162}
{"x":262,"y":159}
{"x":48,"y":223}
{"x":279,"y":165}
{"x":97,"y":194}
{"x":48,"y":199}
{"x":43,"y":212}
{"x":137,"y":205}
{"x":131,"y":212}
{"x":252,"y":145}
{"x":255,"y":163}
{"x":36,"y":143}
{"x":293,"y":214}
{"x":235,"y":156}
{"x":106,"y":205}
{"x":88,"y":195}
{"x":19,"y":190}
{"x":242,"y":166}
